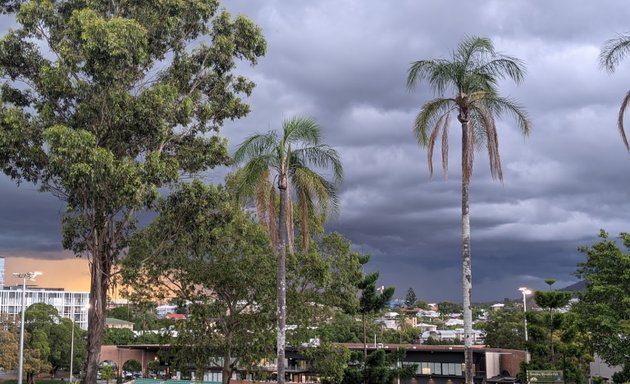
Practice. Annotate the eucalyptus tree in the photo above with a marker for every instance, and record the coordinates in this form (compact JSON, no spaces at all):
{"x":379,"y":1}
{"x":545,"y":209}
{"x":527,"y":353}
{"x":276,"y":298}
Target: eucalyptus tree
{"x":287,"y":157}
{"x":467,"y":84}
{"x":105,"y":102}
{"x":613,"y":52}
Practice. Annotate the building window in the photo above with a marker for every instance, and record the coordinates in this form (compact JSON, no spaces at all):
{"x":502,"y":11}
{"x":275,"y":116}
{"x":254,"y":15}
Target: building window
{"x":444,"y":369}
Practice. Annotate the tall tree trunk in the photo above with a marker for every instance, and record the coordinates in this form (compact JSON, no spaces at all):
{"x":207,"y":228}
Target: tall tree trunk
{"x":282,"y":284}
{"x":271,"y":212}
{"x":467,"y":149}
{"x":227,"y":368}
{"x":100,"y":269}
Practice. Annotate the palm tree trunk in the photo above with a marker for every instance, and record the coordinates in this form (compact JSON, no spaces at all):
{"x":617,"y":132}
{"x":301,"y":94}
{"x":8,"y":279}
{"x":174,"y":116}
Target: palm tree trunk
{"x":466,"y":253}
{"x":282,"y":285}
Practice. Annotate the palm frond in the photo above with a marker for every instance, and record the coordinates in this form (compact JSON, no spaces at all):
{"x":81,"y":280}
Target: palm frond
{"x":317,"y":189}
{"x":429,"y":116}
{"x":468,"y":151}
{"x":473,"y":49}
{"x":487,"y":132}
{"x":500,"y":106}
{"x":321,"y":156}
{"x":504,"y":67}
{"x":434,"y":116}
{"x":250,"y":175}
{"x":445,"y":146}
{"x":256,"y":145}
{"x":290,"y":222}
{"x":622,"y":111}
{"x":261,"y":199}
{"x":317,"y":197}
{"x":614,"y":51}
{"x":439,"y":74}
{"x":303,"y":130}
{"x":273,"y":218}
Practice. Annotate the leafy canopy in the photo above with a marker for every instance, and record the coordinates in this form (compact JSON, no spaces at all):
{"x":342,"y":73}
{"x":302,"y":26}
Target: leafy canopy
{"x":104,"y":102}
{"x":604,"y":307}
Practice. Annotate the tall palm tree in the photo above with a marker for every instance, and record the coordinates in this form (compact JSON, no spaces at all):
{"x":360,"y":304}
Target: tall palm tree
{"x":613,"y":52}
{"x":471,"y":77}
{"x":286,"y":158}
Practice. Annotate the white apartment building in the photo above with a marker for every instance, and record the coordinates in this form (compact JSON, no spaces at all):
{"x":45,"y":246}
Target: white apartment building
{"x":1,"y":271}
{"x":71,"y":305}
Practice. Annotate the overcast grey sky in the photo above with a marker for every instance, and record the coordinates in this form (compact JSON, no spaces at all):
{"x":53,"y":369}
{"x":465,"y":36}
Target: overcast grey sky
{"x":344,"y":62}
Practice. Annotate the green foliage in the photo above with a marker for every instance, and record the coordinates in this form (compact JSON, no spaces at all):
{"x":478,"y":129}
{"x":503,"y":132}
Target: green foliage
{"x":552,"y":300}
{"x":404,"y":335}
{"x":505,"y":329}
{"x":108,"y":373}
{"x":604,"y":308}
{"x":291,"y":157}
{"x":623,"y":376}
{"x":380,"y":368}
{"x":214,"y":256}
{"x":321,"y":283}
{"x":118,"y":336}
{"x":446,"y":308}
{"x":371,"y":301}
{"x":121,"y":313}
{"x":329,"y":361}
{"x":51,"y":336}
{"x":550,"y":282}
{"x":9,"y":347}
{"x":120,"y":100}
{"x":343,"y":328}
{"x":410,"y":298}
{"x":472,"y":75}
{"x":421,"y":304}
{"x":558,"y":341}
{"x":433,"y":341}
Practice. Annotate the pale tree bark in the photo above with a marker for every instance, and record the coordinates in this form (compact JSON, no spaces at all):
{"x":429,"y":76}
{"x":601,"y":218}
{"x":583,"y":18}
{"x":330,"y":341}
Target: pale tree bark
{"x":467,"y":148}
{"x":100,"y":269}
{"x":282,"y":285}
{"x":227,"y":367}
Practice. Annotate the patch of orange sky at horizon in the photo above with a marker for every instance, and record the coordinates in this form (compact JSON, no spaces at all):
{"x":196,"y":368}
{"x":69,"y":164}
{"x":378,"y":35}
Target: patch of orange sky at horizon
{"x":72,"y":274}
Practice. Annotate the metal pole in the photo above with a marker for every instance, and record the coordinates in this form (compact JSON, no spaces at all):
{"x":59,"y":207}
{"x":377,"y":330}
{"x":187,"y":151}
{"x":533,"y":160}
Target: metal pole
{"x":525,"y":315}
{"x":525,"y":292}
{"x":21,"y":360}
{"x":72,"y":349}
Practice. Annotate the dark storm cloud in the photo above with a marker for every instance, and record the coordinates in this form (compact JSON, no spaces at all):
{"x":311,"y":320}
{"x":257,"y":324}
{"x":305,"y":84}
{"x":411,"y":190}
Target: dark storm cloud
{"x":345,"y":64}
{"x":30,"y":221}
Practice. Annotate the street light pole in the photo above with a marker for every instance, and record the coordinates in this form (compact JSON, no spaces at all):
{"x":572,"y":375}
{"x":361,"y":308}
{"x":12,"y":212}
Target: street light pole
{"x":525,"y":292}
{"x":72,"y":344}
{"x":72,"y":350}
{"x":24,"y":276}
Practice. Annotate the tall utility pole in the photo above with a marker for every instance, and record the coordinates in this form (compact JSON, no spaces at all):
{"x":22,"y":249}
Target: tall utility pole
{"x":525,"y":291}
{"x":24,"y":276}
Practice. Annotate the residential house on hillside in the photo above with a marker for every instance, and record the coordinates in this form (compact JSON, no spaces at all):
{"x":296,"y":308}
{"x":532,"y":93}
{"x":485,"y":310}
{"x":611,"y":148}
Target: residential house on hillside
{"x":111,"y":322}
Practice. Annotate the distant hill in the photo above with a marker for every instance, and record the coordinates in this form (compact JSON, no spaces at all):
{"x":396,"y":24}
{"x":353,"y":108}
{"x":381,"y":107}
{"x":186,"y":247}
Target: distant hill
{"x":580,"y":286}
